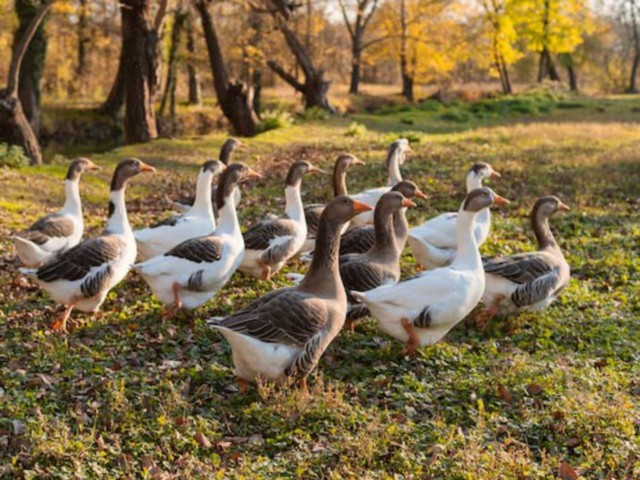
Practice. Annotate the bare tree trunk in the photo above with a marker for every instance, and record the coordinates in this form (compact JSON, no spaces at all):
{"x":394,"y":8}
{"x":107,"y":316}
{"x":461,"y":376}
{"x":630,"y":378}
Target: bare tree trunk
{"x":508,"y":90}
{"x":33,"y":62}
{"x":115,"y":99}
{"x":83,"y":39}
{"x":636,"y":46}
{"x":14,"y":125}
{"x":195,"y":91}
{"x":169,"y":94}
{"x":354,"y":85}
{"x":634,"y":74}
{"x":255,"y":21}
{"x":234,"y":97}
{"x":140,"y":44}
{"x":407,"y":78}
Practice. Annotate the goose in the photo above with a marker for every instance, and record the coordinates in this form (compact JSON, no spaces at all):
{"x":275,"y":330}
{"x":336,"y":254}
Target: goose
{"x":433,"y":243}
{"x":421,"y":310}
{"x":285,"y":332}
{"x":185,"y":203}
{"x":530,"y":280}
{"x":361,"y":239}
{"x":312,"y":212}
{"x":190,"y":274}
{"x":81,"y":277}
{"x":395,"y":157}
{"x":381,"y":264}
{"x":271,"y":242}
{"x":197,"y":221}
{"x":56,"y":232}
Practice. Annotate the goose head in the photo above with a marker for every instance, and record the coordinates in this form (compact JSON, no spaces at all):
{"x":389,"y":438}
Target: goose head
{"x":395,"y":157}
{"x":392,"y":202}
{"x":342,"y":209}
{"x":479,"y":172}
{"x":211,"y":168}
{"x":343,"y":163}
{"x":78,"y":166}
{"x":233,"y":175}
{"x":299,"y":170}
{"x":549,"y":206}
{"x":408,"y":189}
{"x":481,"y":198}
{"x":227,"y":149}
{"x":127,"y":169}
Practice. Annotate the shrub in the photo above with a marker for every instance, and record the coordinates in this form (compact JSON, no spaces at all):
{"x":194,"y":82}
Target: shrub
{"x":12,"y":156}
{"x":273,"y":119}
{"x":355,"y":129}
{"x":313,"y":113}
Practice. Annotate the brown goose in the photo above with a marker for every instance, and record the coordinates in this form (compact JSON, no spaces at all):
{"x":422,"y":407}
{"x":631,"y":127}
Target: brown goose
{"x":228,"y":147}
{"x":312,"y":212}
{"x":55,"y":233}
{"x":531,"y":280}
{"x":381,"y":264}
{"x":82,"y":276}
{"x":361,"y":239}
{"x":285,"y":332}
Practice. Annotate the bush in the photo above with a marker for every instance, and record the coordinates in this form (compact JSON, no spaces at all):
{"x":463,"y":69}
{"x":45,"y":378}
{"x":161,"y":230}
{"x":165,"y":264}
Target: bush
{"x":272,"y":120}
{"x":355,"y":129}
{"x":313,"y":113}
{"x":12,"y":156}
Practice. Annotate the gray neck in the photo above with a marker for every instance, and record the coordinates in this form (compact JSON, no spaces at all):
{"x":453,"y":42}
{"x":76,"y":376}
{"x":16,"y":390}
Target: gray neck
{"x":339,"y":181}
{"x":467,"y":255}
{"x":542,"y":231}
{"x":118,"y":222}
{"x":384,"y":235}
{"x":323,"y":277}
{"x":72,"y":203}
{"x":401,"y":227}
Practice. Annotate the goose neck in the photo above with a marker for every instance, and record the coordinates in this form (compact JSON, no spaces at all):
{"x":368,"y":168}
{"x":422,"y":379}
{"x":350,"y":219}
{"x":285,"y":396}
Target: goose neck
{"x":202,"y":202}
{"x":323,"y":276}
{"x":384,"y":234}
{"x":72,"y":203}
{"x":228,"y":216}
{"x":339,"y":181}
{"x":542,"y":231}
{"x":473,"y":182}
{"x":394,"y":160}
{"x":467,"y":255}
{"x":293,"y":201}
{"x":401,"y":227}
{"x":118,"y":221}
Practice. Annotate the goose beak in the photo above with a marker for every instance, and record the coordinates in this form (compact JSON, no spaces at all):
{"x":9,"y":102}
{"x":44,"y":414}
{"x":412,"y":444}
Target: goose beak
{"x":421,"y":194}
{"x":241,"y":146}
{"x":146,"y":168}
{"x":360,"y":207}
{"x":498,"y":200}
{"x":93,"y":166}
{"x":495,"y":174}
{"x":408,"y":203}
{"x":253,"y":175}
{"x":564,"y":208}
{"x":357,"y":161}
{"x":313,"y":169}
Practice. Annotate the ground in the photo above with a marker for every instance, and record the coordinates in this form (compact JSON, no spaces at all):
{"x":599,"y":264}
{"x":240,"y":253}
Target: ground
{"x":548,"y":395}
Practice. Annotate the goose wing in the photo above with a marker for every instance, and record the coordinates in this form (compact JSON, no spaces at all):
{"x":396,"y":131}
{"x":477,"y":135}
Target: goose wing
{"x":521,"y":268}
{"x":261,"y":235}
{"x":312,"y":216}
{"x":357,"y":240}
{"x":50,"y":226}
{"x":198,"y":250}
{"x":361,"y":276}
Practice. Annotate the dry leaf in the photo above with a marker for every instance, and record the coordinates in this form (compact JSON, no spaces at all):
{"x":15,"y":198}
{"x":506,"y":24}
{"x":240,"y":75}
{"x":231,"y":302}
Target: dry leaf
{"x":202,"y":440}
{"x":505,"y":394}
{"x":566,"y":472}
{"x":100,"y":443}
{"x":534,"y":389}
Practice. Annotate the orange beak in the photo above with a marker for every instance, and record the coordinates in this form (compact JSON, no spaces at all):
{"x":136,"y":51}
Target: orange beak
{"x":421,"y":194}
{"x":408,"y":203}
{"x":314,"y":169}
{"x":498,"y":200}
{"x":357,"y":161}
{"x":495,"y":174}
{"x":93,"y":166}
{"x":563,"y":207}
{"x":146,"y":168}
{"x":360,"y":207}
{"x":253,"y":175}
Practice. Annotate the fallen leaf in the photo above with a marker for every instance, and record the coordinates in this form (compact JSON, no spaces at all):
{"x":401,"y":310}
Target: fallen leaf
{"x":170,"y":364}
{"x":100,"y":443}
{"x":504,"y":394}
{"x":202,"y":440}
{"x":534,"y":389}
{"x":566,"y":472}
{"x":19,"y":428}
{"x":180,"y":420}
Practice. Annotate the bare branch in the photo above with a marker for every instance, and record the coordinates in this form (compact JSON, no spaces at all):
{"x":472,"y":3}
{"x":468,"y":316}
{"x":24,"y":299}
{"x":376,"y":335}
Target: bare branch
{"x":160,"y":16}
{"x":367,"y":19}
{"x":287,"y":77}
{"x":343,"y":8}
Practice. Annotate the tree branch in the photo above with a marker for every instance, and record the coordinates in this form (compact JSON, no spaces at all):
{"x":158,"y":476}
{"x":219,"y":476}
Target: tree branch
{"x":346,"y":19}
{"x":160,"y":15}
{"x":367,"y":19}
{"x":18,"y":53}
{"x":287,"y":77}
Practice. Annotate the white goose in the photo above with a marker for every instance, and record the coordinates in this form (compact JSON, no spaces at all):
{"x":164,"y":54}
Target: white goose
{"x":395,"y":157}
{"x":190,"y":274}
{"x":434,"y":242}
{"x":421,"y":310}
{"x":531,"y":280}
{"x":197,"y":221}
{"x":271,"y":242}
{"x":82,"y":276}
{"x":55,"y":233}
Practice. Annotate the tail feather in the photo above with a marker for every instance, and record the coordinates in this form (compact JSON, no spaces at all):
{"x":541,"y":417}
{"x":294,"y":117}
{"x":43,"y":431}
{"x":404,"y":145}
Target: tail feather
{"x":360,"y":297}
{"x":356,"y":312}
{"x":29,"y":253}
{"x":214,"y":322}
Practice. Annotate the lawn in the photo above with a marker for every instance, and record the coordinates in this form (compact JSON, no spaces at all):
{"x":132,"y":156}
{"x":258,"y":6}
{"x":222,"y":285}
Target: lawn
{"x":548,"y":395}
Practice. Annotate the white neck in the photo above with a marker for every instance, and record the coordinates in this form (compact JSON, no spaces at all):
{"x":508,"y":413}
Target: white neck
{"x":228,"y":217}
{"x":202,"y":204}
{"x":467,"y":255}
{"x":294,"y":208}
{"x":473,"y":182}
{"x":393,"y":169}
{"x":118,"y":222}
{"x":72,"y":202}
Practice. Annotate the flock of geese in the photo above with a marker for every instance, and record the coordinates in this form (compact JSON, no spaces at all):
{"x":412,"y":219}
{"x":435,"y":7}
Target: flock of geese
{"x":354,"y":244}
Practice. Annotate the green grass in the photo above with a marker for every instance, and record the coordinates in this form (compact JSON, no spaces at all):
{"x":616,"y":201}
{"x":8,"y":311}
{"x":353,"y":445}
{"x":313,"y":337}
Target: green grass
{"x":127,"y":395}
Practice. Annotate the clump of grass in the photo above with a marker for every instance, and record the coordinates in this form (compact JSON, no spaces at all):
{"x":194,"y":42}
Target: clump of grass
{"x":12,"y":156}
{"x":313,"y":114}
{"x":274,"y":119}
{"x":355,"y":129}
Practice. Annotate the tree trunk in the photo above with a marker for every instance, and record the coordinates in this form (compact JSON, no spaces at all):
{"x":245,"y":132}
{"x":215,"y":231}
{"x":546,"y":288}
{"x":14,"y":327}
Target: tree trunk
{"x":115,"y":100}
{"x":195,"y":91}
{"x":234,"y":97}
{"x":15,"y":128}
{"x":551,"y":67}
{"x":140,"y":44}
{"x":407,"y":78}
{"x":636,"y":45}
{"x":634,"y":74}
{"x":169,"y":94}
{"x":355,"y":70}
{"x":508,"y":90}
{"x":32,"y":63}
{"x":407,"y":87}
{"x":83,"y":39}
{"x":257,"y":91}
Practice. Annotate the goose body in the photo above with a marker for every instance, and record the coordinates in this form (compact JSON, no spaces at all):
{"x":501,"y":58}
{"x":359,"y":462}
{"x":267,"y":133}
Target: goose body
{"x":273,"y":241}
{"x":395,"y":158}
{"x":56,"y":232}
{"x":434,"y":242}
{"x":197,"y":221}
{"x":285,"y":332}
{"x":421,"y":310}
{"x":184,"y":204}
{"x":191,"y":273}
{"x":531,"y":280}
{"x":81,"y":277}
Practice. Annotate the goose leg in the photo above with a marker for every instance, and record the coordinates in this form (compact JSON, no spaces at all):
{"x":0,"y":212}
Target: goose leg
{"x":483,"y":318}
{"x":413,"y":342}
{"x":243,"y":385}
{"x":266,"y":272}
{"x":60,"y":323}
{"x":177,"y":303}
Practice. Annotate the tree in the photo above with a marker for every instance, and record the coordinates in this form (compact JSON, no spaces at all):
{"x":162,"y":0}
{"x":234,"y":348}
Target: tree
{"x":83,"y":38}
{"x":169,"y":95}
{"x":364,"y":10}
{"x":631,"y":8}
{"x":234,"y":96}
{"x":141,"y":54}
{"x":195,"y":92}
{"x":14,"y":126}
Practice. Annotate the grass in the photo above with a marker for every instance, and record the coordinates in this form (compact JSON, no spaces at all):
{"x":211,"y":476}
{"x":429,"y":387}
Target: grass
{"x":127,"y":395}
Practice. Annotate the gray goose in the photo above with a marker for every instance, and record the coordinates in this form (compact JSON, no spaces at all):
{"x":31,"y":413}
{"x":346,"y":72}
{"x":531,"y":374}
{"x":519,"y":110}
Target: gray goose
{"x":56,"y":232}
{"x":271,"y":242}
{"x":312,"y":212}
{"x":185,"y":203}
{"x":530,"y":280}
{"x":82,"y":276}
{"x":361,"y":239}
{"x":381,"y":264}
{"x":285,"y":332}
